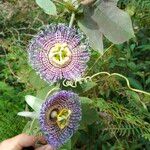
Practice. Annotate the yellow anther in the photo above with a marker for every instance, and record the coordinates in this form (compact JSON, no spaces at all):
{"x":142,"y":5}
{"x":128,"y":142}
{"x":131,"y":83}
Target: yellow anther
{"x":63,"y":118}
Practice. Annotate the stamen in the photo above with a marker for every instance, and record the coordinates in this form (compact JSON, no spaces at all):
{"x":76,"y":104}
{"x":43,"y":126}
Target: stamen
{"x":60,"y":55}
{"x":63,"y":118}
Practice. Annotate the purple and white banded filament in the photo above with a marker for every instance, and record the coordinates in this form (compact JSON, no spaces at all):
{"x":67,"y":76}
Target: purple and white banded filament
{"x":46,"y":39}
{"x":60,"y":100}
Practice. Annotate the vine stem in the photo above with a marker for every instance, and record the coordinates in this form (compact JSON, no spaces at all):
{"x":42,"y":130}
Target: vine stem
{"x":31,"y":125}
{"x":69,"y":83}
{"x":52,"y":90}
{"x":72,"y":19}
{"x":74,"y":84}
{"x":119,"y":75}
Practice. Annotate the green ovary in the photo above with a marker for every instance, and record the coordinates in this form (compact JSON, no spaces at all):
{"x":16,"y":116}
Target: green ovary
{"x":60,"y":55}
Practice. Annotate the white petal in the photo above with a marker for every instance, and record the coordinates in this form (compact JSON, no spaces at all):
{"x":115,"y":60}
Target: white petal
{"x":28,"y":114}
{"x":34,"y":102}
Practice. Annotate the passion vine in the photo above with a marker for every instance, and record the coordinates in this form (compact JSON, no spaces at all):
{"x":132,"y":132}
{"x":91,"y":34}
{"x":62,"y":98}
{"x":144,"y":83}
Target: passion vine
{"x":60,"y":52}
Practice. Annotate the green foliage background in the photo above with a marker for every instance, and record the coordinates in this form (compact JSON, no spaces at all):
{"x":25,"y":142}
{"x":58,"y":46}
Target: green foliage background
{"x":113,"y":115}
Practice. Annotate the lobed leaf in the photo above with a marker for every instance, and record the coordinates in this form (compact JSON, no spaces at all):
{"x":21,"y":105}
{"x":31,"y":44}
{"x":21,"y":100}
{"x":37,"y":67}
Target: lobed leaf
{"x":113,"y":22}
{"x":91,"y":29}
{"x":108,"y":20}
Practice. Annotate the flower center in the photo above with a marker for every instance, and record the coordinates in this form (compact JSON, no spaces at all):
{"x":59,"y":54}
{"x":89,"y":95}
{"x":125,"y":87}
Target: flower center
{"x":60,"y":55}
{"x":63,"y":118}
{"x":60,"y":117}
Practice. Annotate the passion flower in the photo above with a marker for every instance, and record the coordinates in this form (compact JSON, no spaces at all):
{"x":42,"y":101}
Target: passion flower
{"x":59,"y":52}
{"x":59,"y":117}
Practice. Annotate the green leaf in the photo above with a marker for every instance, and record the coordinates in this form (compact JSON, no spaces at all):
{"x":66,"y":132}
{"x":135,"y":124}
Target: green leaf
{"x":75,"y":138}
{"x":148,"y":81}
{"x":88,"y":85}
{"x":144,"y":47}
{"x":48,"y":6}
{"x":41,"y":93}
{"x":132,"y":66}
{"x":108,"y":20}
{"x":85,"y":100}
{"x":114,"y":1}
{"x":114,"y":23}
{"x":89,"y":114}
{"x":146,"y":99}
{"x":36,"y":81}
{"x":90,"y":28}
{"x":28,"y":114}
{"x":67,"y":146}
{"x":101,"y":104}
{"x":32,"y":128}
{"x":146,"y":136}
{"x":135,"y":83}
{"x":135,"y":99}
{"x":34,"y":102}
